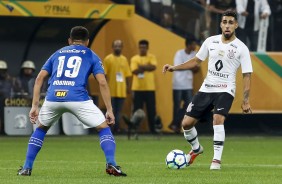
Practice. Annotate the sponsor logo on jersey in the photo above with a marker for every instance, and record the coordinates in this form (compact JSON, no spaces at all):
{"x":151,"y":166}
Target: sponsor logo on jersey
{"x":221,"y":53}
{"x":216,"y":85}
{"x":231,"y":54}
{"x":71,"y":51}
{"x":232,"y":45}
{"x":222,"y":75}
{"x":63,"y":83}
{"x":215,"y":41}
{"x":61,"y":93}
{"x":218,"y":65}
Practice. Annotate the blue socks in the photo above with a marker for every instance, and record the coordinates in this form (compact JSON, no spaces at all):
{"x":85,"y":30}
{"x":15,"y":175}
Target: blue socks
{"x":34,"y":145}
{"x":108,"y":145}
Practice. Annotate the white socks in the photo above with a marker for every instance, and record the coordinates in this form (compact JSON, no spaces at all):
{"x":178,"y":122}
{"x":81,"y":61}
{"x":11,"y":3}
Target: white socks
{"x":191,"y":136}
{"x":218,"y":141}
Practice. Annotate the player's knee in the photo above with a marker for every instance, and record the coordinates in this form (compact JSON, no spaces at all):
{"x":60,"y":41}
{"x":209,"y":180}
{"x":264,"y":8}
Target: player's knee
{"x":218,"y":119}
{"x":188,"y":122}
{"x":101,"y":126}
{"x":45,"y":128}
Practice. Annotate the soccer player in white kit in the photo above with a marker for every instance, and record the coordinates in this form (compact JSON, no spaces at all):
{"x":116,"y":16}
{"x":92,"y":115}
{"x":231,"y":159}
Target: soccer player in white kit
{"x":225,"y":54}
{"x":69,"y":69}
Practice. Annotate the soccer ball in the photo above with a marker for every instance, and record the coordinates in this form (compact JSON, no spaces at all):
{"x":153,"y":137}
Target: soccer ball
{"x":177,"y":159}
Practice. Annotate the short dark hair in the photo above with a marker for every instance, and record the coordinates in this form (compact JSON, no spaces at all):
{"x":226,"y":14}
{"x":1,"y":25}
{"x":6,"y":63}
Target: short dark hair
{"x":230,"y":13}
{"x":144,"y":42}
{"x":189,"y":40}
{"x":79,"y":33}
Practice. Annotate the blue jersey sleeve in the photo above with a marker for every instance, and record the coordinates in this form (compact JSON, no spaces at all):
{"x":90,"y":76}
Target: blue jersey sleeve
{"x":48,"y":65}
{"x":98,"y":65}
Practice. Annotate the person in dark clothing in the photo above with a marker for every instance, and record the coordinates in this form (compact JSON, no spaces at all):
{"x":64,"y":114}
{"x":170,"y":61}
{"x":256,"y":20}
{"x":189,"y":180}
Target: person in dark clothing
{"x":26,"y":79}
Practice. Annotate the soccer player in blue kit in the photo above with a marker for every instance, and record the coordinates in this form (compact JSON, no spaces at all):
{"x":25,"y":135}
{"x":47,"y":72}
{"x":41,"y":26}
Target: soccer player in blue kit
{"x":69,"y":69}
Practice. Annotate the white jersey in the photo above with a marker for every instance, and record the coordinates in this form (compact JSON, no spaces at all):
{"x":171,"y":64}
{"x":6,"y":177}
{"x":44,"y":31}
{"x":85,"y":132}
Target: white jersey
{"x":223,"y":62}
{"x":183,"y":79}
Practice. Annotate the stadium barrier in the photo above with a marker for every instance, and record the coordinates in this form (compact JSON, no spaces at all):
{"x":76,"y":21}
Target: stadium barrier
{"x":16,"y":121}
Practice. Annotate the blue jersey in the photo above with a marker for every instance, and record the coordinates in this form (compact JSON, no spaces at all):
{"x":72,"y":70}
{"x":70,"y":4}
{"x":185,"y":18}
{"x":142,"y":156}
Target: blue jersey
{"x":69,"y":69}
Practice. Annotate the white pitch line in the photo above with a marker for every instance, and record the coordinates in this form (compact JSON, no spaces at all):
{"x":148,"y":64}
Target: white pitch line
{"x":250,"y":165}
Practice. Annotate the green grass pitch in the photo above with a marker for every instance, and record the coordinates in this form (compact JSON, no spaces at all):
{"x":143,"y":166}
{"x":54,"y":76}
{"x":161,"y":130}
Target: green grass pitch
{"x":63,"y":159}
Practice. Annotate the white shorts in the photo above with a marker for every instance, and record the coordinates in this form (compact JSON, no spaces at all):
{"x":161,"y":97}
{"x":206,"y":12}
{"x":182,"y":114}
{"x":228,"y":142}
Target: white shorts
{"x":86,"y":111}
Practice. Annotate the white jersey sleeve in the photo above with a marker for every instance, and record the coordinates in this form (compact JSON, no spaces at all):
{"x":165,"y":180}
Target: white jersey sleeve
{"x":204,"y":51}
{"x":246,"y":63}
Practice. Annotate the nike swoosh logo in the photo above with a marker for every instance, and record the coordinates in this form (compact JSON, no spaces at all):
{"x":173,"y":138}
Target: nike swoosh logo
{"x":219,"y":109}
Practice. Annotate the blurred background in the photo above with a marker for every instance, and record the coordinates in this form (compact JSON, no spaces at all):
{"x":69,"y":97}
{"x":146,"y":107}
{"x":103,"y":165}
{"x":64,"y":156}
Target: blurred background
{"x":33,"y":30}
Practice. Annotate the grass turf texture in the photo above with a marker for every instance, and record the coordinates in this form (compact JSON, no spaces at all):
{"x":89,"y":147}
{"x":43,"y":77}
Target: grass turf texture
{"x":80,"y":160}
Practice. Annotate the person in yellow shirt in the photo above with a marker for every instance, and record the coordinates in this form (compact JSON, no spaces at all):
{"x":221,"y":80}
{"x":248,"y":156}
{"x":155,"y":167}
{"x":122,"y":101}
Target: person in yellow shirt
{"x":118,"y":72}
{"x":143,"y":66}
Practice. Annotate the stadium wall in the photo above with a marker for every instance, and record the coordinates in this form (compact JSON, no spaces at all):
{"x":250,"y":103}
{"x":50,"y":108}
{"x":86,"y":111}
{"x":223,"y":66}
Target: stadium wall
{"x":163,"y":45}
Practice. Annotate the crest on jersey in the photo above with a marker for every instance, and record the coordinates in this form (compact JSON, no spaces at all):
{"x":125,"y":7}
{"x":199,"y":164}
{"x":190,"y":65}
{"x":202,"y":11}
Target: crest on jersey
{"x":231,"y":54}
{"x":61,"y":93}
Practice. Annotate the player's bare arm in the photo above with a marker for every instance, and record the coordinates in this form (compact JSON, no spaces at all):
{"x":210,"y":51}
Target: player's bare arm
{"x":246,"y":107}
{"x":188,"y":65}
{"x":105,"y":92}
{"x":33,"y":114}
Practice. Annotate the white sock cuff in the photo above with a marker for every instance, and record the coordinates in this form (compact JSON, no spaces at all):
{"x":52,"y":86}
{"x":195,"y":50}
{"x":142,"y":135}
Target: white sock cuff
{"x":190,"y":131}
{"x":190,"y":134}
{"x":218,"y":128}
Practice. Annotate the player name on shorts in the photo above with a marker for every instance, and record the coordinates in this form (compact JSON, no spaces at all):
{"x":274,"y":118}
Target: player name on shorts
{"x":219,"y":74}
{"x":63,"y":83}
